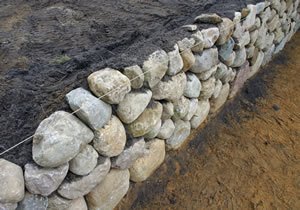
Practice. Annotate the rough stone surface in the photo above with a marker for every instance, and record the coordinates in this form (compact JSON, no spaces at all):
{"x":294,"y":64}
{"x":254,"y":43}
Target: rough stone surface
{"x":33,"y":202}
{"x":240,"y":57}
{"x":188,"y":59}
{"x":168,"y":110}
{"x":80,"y":186}
{"x":109,"y":84}
{"x":224,"y":73}
{"x":242,"y":41}
{"x":201,"y":114}
{"x":190,"y":27}
{"x":217,"y":103}
{"x":153,"y":133}
{"x":199,"y":42}
{"x":146,"y":165}
{"x":181,"y":108}
{"x":77,"y":204}
{"x":56,"y":202}
{"x":171,"y":88}
{"x":85,"y":161}
{"x":110,"y":191}
{"x":44,"y":181}
{"x":208,"y":88}
{"x":212,"y":18}
{"x":136,"y":150}
{"x":166,"y":129}
{"x":58,"y":139}
{"x":8,"y":206}
{"x":207,"y":74}
{"x":250,"y":51}
{"x":226,"y":50}
{"x":155,"y":67}
{"x":146,"y":121}
{"x":133,"y":105}
{"x":210,"y":36}
{"x":175,"y":61}
{"x":226,"y":28}
{"x":111,"y":139}
{"x":135,"y":75}
{"x":182,"y":131}
{"x":12,"y":182}
{"x":218,"y":88}
{"x":206,"y":60}
{"x":250,"y":19}
{"x":192,"y":109}
{"x":91,"y":110}
{"x":193,"y":86}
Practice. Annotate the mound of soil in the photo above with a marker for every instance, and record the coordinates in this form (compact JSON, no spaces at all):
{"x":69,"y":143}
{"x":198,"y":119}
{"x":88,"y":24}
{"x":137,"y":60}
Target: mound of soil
{"x":48,"y":47}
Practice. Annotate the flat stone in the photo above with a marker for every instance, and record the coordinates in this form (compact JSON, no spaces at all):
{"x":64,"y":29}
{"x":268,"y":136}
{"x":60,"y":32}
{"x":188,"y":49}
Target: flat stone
{"x":211,"y":18}
{"x":110,"y":140}
{"x":181,"y":108}
{"x":133,"y":105}
{"x":206,"y":60}
{"x":170,"y":88}
{"x":91,"y":110}
{"x":175,"y":61}
{"x":153,"y":133}
{"x":182,"y":131}
{"x":168,"y":110}
{"x":166,"y":129}
{"x":77,"y":204}
{"x":193,"y":86}
{"x":199,"y":42}
{"x":208,"y":88}
{"x":12,"y":187}
{"x":44,"y":181}
{"x":257,"y":62}
{"x":250,"y":19}
{"x":146,"y":121}
{"x":59,"y":138}
{"x":135,"y":75}
{"x":192,"y":109}
{"x":226,"y":50}
{"x":85,"y":161}
{"x":210,"y":36}
{"x":207,"y":74}
{"x":155,"y":67}
{"x":135,"y":150}
{"x":226,"y":29}
{"x":201,"y":114}
{"x":79,"y":186}
{"x":33,"y":202}
{"x":218,"y":102}
{"x":240,"y":57}
{"x":110,"y":191}
{"x":146,"y":165}
{"x":218,"y":88}
{"x":109,"y":84}
{"x":56,"y":202}
{"x":8,"y":206}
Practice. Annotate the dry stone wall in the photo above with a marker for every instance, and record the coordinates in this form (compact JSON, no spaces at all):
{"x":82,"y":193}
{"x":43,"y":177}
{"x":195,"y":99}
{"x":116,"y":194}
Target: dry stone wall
{"x":86,"y":159}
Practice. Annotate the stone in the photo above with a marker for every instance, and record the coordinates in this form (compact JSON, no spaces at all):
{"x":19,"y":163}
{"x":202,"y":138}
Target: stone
{"x":153,"y":133}
{"x":110,"y":191}
{"x":218,"y":102}
{"x":85,"y":161}
{"x":206,"y":60}
{"x":168,"y":110}
{"x":245,"y":12}
{"x":275,"y":4}
{"x":110,"y":85}
{"x":243,"y":40}
{"x":218,"y":88}
{"x":257,"y":62}
{"x":191,"y":27}
{"x":166,"y":129}
{"x":170,"y":88}
{"x":243,"y":74}
{"x":207,"y":74}
{"x":155,"y":67}
{"x":201,"y":114}
{"x":192,"y":109}
{"x":44,"y":181}
{"x":266,"y":15}
{"x":279,"y":35}
{"x":193,"y":86}
{"x":268,"y":55}
{"x":146,"y":165}
{"x":181,"y":108}
{"x":253,"y":36}
{"x":224,"y":73}
{"x":274,"y":23}
{"x":135,"y":75}
{"x":250,"y":51}
{"x":182,"y":131}
{"x":240,"y":58}
{"x":250,"y":19}
{"x":188,"y":59}
{"x":33,"y":202}
{"x":199,"y":42}
{"x":269,"y":41}
{"x":56,"y":202}
{"x":110,"y":140}
{"x":210,"y":36}
{"x":91,"y":110}
{"x":185,"y":44}
{"x":8,"y":206}
{"x":133,"y":105}
{"x":260,"y":7}
{"x":257,"y":25}
{"x":130,"y":154}
{"x":12,"y":187}
{"x":261,"y":38}
{"x":208,"y":88}
{"x":146,"y":121}
{"x":226,"y":28}
{"x":59,"y":138}
{"x":211,"y":18}
{"x":175,"y":61}
{"x":77,"y":204}
{"x":76,"y":187}
{"x":226,"y":50}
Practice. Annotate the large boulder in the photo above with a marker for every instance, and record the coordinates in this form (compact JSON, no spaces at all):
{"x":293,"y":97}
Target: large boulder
{"x":58,"y":139}
{"x":110,"y":191}
{"x":201,"y":114}
{"x":133,"y":105}
{"x":146,"y":165}
{"x":146,"y":121}
{"x":44,"y":181}
{"x":109,"y":85}
{"x":206,"y":60}
{"x":193,"y":86}
{"x":91,"y":110}
{"x":111,"y":139}
{"x":182,"y":131}
{"x":136,"y":76}
{"x":12,"y":186}
{"x":33,"y":202}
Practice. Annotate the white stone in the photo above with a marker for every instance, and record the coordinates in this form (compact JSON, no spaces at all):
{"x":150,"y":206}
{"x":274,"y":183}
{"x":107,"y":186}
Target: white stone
{"x":8,"y":206}
{"x":182,"y":131}
{"x":218,"y":102}
{"x":33,"y":202}
{"x":206,"y":60}
{"x":201,"y":114}
{"x":153,"y":133}
{"x":181,"y":108}
{"x":218,"y":88}
{"x":226,"y":28}
{"x":168,"y":110}
{"x":175,"y":62}
{"x":199,"y":42}
{"x":211,"y":18}
{"x":207,"y":74}
{"x":77,"y":204}
{"x":193,"y":86}
{"x":250,"y":19}
{"x":192,"y":109}
{"x":240,"y":57}
{"x":166,"y":129}
{"x":208,"y":88}
{"x":135,"y":75}
{"x":210,"y":36}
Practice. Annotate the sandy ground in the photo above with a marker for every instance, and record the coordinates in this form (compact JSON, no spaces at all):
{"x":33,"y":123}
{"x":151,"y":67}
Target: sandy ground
{"x":246,"y":158}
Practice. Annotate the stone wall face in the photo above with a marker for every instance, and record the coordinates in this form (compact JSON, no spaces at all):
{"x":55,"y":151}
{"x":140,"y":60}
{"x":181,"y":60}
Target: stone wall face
{"x":120,"y":130}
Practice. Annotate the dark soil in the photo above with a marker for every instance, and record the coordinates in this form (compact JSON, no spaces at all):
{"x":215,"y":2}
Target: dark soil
{"x":49,"y":47}
{"x":245,"y":158}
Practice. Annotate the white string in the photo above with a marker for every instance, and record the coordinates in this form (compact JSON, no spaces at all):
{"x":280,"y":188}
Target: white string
{"x":109,"y":92}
